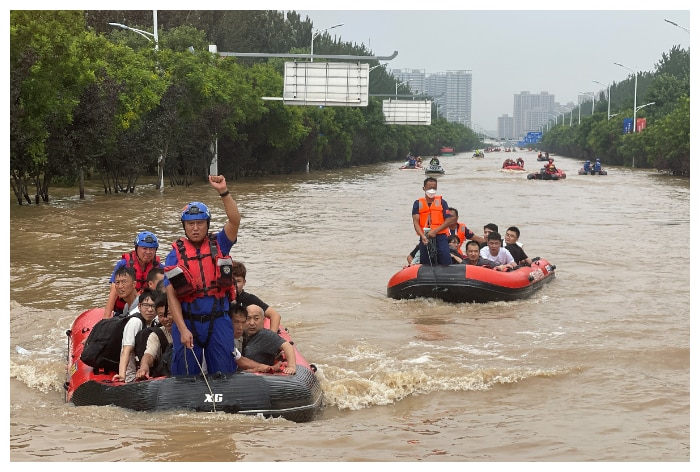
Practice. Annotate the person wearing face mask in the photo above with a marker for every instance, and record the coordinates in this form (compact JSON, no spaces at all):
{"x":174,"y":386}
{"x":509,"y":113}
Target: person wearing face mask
{"x":431,"y":221}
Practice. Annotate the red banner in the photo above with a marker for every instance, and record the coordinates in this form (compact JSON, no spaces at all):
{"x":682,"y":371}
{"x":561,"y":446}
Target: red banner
{"x":641,"y":124}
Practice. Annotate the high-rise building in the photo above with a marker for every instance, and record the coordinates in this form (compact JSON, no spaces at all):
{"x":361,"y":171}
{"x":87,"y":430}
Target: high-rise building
{"x":505,"y":128}
{"x":531,"y":111}
{"x":450,"y":90}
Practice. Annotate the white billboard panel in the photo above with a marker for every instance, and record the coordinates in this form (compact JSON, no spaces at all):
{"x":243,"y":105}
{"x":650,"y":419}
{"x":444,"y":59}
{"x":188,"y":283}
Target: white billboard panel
{"x":339,"y":84}
{"x":407,"y":112}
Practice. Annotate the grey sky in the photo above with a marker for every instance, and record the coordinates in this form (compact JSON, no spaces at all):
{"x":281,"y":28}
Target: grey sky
{"x":561,"y":52}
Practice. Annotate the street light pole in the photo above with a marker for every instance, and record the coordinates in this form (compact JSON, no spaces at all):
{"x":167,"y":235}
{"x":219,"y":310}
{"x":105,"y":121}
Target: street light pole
{"x":645,"y":105}
{"x":154,"y":35}
{"x":396,"y":92}
{"x":608,"y":86}
{"x":313,"y":36}
{"x":143,"y":33}
{"x":676,"y":24}
{"x":592,"y":107}
{"x":634,"y":115}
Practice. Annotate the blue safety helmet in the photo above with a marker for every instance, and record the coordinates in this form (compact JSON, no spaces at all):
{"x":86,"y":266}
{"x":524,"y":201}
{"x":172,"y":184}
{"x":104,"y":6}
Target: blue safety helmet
{"x":195,"y":211}
{"x":146,"y":239}
{"x":597,"y":160}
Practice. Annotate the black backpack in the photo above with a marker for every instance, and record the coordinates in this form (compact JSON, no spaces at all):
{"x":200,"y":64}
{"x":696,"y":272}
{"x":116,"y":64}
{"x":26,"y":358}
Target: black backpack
{"x":162,"y":366}
{"x":103,"y":345}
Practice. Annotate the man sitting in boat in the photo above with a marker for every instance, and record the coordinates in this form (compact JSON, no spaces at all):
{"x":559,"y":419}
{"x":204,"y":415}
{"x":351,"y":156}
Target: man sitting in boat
{"x":587,"y":166}
{"x":263,"y":346}
{"x":496,"y":253}
{"x":550,"y":168}
{"x":461,"y":231}
{"x":474,"y":257}
{"x":597,"y":166}
{"x":243,"y":298}
{"x":434,"y":161}
{"x":143,"y":319}
{"x":239,"y":317}
{"x":153,"y":347}
{"x":519,"y":256}
{"x":521,"y":162}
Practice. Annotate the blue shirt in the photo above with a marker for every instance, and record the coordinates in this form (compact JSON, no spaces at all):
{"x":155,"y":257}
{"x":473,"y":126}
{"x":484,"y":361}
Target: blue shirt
{"x":203,"y":305}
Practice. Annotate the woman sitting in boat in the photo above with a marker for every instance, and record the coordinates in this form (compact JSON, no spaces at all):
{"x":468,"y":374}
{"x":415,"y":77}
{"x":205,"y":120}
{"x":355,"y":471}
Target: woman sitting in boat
{"x":454,"y":242}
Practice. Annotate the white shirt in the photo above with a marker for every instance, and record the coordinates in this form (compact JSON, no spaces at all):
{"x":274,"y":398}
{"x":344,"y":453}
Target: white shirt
{"x":503,"y":258}
{"x":132,"y":327}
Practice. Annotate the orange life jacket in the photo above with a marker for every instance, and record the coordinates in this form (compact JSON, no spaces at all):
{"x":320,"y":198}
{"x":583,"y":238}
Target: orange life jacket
{"x":141,"y":275}
{"x":202,"y":273}
{"x":461,"y":233}
{"x":434,"y":213}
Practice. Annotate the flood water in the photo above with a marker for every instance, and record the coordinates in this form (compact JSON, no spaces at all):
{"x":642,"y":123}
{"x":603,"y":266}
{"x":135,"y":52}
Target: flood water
{"x":593,"y":367}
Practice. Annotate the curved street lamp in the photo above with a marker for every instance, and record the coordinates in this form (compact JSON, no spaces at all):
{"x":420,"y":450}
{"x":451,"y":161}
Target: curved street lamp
{"x":645,"y":105}
{"x":398,"y":82}
{"x":676,"y":24}
{"x":608,"y":86}
{"x":143,"y":33}
{"x":634,"y":117}
{"x":313,"y":36}
{"x":380,"y":65}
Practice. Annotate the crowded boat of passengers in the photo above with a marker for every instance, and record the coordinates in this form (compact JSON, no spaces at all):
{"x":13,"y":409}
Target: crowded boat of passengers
{"x":184,"y":334}
{"x":489,"y":268}
{"x":412,"y":162}
{"x":517,"y":165}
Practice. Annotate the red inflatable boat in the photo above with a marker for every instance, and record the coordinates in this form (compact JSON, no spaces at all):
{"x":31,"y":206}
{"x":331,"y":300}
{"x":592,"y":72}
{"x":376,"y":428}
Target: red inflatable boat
{"x":295,"y":397}
{"x":469,"y":284}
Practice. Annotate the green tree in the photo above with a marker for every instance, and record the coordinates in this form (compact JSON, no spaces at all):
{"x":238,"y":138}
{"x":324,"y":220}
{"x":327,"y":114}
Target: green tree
{"x":48,"y":74}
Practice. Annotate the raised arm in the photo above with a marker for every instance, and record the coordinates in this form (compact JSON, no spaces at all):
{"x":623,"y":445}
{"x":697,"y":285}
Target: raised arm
{"x":230,"y":206}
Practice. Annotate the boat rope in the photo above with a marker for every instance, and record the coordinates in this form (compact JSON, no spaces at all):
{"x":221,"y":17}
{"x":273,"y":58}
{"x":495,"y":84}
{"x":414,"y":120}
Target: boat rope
{"x":203,"y":375}
{"x":432,"y":253}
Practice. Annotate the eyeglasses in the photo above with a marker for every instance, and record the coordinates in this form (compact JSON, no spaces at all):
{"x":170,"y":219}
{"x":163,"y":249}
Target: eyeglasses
{"x":148,"y":306}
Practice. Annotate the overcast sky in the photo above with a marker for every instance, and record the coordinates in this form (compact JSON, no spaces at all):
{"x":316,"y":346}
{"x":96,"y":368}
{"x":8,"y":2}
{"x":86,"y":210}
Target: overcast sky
{"x":561,"y":52}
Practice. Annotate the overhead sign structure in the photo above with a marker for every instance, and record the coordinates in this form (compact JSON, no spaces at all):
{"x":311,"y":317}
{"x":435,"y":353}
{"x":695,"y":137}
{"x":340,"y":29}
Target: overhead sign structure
{"x":533,"y":137}
{"x":339,"y":84}
{"x":407,"y":112}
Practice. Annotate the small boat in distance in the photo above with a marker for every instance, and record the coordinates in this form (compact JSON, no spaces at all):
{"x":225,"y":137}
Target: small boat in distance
{"x":447,"y":151}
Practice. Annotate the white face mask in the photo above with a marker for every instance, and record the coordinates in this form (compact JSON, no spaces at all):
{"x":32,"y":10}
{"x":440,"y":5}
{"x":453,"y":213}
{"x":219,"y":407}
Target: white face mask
{"x":430,"y":193}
